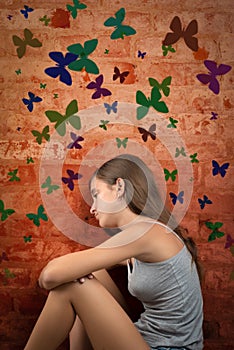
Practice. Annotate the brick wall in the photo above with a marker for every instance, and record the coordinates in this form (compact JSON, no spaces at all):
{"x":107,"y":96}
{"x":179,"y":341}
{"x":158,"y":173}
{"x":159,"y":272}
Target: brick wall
{"x":198,"y":119}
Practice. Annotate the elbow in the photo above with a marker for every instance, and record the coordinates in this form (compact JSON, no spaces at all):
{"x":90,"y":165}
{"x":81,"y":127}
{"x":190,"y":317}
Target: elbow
{"x":47,"y":279}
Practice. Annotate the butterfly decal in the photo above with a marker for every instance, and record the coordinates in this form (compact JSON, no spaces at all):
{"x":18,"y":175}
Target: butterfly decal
{"x":44,"y":134}
{"x":146,"y":103}
{"x":3,"y":256}
{"x":219,"y":169}
{"x":229,"y":241}
{"x":74,"y":9}
{"x":178,"y":32}
{"x":75,"y":141}
{"x":50,"y":187}
{"x":13,"y":175}
{"x":167,"y":49}
{"x":177,"y":198}
{"x":9,"y":274}
{"x":32,"y":99}
{"x":26,"y":11}
{"x":169,"y":174}
{"x":59,"y":70}
{"x":204,"y":201}
{"x":164,"y":86}
{"x":122,"y":142}
{"x":9,"y":17}
{"x":30,"y":160}
{"x":45,"y":20}
{"x":120,"y":29}
{"x":27,"y":238}
{"x":194,"y":158}
{"x":69,"y":181}
{"x":214,"y":116}
{"x":146,"y":133}
{"x":211,"y":77}
{"x":42,"y":86}
{"x":103,"y":124}
{"x":112,"y":107}
{"x":83,"y":62}
{"x":39,"y":216}
{"x":122,"y":76}
{"x":99,"y":90}
{"x":55,"y":95}
{"x":173,"y":123}
{"x":69,"y":117}
{"x":23,"y":43}
{"x":5,"y":212}
{"x":180,"y":152}
{"x":141,"y":54}
{"x":214,"y":227}
{"x":18,"y":71}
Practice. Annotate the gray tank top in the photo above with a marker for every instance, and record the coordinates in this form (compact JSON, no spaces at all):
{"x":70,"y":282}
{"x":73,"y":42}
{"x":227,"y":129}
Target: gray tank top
{"x":171,"y":295}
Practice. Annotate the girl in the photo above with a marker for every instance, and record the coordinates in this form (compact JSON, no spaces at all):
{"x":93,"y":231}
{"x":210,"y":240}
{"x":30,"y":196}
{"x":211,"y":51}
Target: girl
{"x":163,"y":273}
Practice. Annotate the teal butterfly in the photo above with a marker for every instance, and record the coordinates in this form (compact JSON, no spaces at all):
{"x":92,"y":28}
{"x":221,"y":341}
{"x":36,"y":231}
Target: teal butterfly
{"x":48,"y":184}
{"x":173,"y":123}
{"x":23,"y":43}
{"x":13,"y":175}
{"x":120,"y":29}
{"x":30,"y":160}
{"x":44,"y":134}
{"x":194,"y":158}
{"x":69,"y":117}
{"x":164,"y":86}
{"x":122,"y":142}
{"x":36,"y":217}
{"x":171,"y":175}
{"x":83,"y":62}
{"x":215,"y":230}
{"x":104,"y":124}
{"x":74,"y":9}
{"x":27,"y":239}
{"x":180,"y":152}
{"x":153,"y":101}
{"x":167,"y":49}
{"x":45,"y":20}
{"x":5,"y":212}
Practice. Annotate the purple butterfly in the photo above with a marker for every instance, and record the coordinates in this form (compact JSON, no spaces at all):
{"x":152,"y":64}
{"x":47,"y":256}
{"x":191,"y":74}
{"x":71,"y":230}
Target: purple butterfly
{"x":141,"y":54}
{"x":69,"y":181}
{"x":179,"y":197}
{"x":229,"y":241}
{"x":29,"y":102}
{"x":75,"y":143}
{"x":99,"y":91}
{"x":214,"y":71}
{"x":26,"y":10}
{"x":204,"y":201}
{"x":146,"y":133}
{"x":214,"y":115}
{"x":219,"y":169}
{"x":9,"y":17}
{"x":4,"y":257}
{"x":61,"y":63}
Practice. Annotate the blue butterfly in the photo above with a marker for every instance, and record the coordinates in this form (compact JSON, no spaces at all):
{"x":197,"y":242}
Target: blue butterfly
{"x":29,"y":102}
{"x":141,"y":54}
{"x":26,"y":10}
{"x":204,"y":201}
{"x":112,"y":107}
{"x":75,"y":143}
{"x":61,"y":63}
{"x":217,"y":169}
{"x":179,"y":197}
{"x":69,"y":180}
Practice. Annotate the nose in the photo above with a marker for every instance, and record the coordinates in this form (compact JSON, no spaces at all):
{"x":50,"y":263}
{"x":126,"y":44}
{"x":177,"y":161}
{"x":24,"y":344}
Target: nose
{"x":93,"y":208}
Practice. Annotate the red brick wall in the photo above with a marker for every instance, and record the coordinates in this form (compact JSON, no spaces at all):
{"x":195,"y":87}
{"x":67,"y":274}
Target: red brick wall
{"x":25,"y":164}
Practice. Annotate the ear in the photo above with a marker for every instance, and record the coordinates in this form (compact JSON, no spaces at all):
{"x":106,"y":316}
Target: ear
{"x":120,"y":186}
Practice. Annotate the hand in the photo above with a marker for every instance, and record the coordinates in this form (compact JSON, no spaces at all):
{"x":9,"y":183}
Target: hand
{"x":82,"y":279}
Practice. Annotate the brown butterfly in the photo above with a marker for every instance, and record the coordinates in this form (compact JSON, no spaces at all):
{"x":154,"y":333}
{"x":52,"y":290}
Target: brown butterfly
{"x":119,"y":75}
{"x":178,"y":32}
{"x":145,"y":133}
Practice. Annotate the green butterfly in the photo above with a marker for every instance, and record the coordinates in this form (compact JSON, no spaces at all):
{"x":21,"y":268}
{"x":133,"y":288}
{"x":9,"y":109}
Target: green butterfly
{"x":22,"y":43}
{"x":104,"y":124}
{"x":27,"y":239}
{"x":18,"y":71}
{"x":30,"y":160}
{"x":69,"y":117}
{"x":36,"y":217}
{"x":42,"y":86}
{"x":44,"y":134}
{"x":77,"y":6}
{"x":8,"y":273}
{"x":154,"y":102}
{"x":45,"y":20}
{"x":164,"y":86}
{"x":180,"y":152}
{"x":55,"y":95}
{"x":215,"y":230}
{"x":194,"y":158}
{"x":171,"y":175}
{"x":13,"y":174}
{"x":116,"y":22}
{"x":173,"y":123}
{"x":166,"y":49}
{"x":122,"y":142}
{"x":47,"y":184}
{"x":83,"y":52}
{"x":5,"y":212}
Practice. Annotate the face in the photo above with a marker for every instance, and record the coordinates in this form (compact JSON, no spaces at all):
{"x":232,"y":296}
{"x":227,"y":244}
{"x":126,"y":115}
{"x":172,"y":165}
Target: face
{"x":106,"y":207}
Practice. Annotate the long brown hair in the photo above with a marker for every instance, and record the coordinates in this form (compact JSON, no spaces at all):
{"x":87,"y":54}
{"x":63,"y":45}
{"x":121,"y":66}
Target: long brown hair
{"x":141,"y":193}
